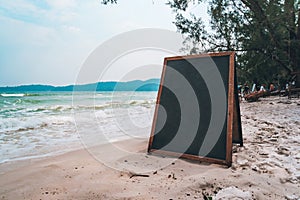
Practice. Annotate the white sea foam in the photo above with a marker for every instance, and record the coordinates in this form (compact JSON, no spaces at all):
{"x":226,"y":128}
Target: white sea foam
{"x":41,"y":124}
{"x":12,"y":95}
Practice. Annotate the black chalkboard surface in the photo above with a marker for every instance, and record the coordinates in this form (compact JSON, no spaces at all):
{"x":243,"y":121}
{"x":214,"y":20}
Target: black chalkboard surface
{"x":197,"y":112}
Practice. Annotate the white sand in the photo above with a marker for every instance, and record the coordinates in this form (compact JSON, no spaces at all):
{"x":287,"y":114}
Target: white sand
{"x":267,"y":167}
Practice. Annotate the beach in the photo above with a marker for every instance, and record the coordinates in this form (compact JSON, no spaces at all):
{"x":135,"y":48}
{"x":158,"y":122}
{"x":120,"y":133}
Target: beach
{"x":266,"y":167}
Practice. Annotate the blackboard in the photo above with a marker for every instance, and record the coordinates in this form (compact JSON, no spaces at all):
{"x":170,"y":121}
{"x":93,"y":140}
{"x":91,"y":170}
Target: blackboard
{"x":197,"y":112}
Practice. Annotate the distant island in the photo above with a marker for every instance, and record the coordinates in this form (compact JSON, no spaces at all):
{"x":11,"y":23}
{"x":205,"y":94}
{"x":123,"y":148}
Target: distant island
{"x":136,"y":85}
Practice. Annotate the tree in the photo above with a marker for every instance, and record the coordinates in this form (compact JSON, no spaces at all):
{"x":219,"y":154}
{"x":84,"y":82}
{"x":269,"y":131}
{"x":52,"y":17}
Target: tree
{"x":265,"y":34}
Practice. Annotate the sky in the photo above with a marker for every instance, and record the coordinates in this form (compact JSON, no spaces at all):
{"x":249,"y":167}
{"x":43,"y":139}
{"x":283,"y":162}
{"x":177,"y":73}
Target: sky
{"x":47,"y":41}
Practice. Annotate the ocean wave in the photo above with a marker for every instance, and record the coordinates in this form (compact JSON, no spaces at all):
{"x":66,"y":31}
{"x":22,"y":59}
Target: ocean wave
{"x":50,"y":109}
{"x":27,"y":108}
{"x":114,"y":104}
{"x":34,"y":95}
{"x":36,"y":122}
{"x":20,"y":101}
{"x":7,"y":102}
{"x":14,"y":125}
{"x":28,"y":128}
{"x":25,"y":101}
{"x":12,"y":95}
{"x":31,"y":101}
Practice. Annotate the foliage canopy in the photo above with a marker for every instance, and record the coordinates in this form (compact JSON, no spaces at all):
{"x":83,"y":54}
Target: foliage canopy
{"x":265,"y":34}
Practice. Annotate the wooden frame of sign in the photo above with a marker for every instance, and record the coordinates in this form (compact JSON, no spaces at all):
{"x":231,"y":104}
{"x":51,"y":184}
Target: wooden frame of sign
{"x":168,"y":137}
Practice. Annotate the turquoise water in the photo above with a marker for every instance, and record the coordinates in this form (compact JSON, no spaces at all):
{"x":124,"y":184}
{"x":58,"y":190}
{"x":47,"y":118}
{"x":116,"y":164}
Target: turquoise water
{"x":43,"y":123}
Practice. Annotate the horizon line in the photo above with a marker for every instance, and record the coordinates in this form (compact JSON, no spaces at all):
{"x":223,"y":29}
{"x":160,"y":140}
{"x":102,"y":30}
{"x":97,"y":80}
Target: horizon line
{"x":45,"y":84}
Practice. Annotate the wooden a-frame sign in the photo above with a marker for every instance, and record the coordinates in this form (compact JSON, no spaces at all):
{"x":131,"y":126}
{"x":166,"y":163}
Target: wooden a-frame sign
{"x":197,"y":113}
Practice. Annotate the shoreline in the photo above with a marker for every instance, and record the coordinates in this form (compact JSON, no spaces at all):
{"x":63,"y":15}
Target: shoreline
{"x":76,"y":146}
{"x":267,"y":167}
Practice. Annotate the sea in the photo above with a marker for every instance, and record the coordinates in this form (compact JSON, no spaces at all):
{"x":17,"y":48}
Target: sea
{"x":38,"y":124}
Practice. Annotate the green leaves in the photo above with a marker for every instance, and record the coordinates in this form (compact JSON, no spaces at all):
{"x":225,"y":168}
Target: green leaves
{"x":105,"y":2}
{"x":264,"y":33}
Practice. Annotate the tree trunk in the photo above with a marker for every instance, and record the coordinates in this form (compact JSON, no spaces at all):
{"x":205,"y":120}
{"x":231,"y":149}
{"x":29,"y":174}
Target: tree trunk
{"x":297,"y":51}
{"x":294,"y":37}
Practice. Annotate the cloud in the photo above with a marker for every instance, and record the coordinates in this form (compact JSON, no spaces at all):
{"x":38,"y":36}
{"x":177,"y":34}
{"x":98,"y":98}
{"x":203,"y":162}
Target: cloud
{"x":22,"y":33}
{"x":21,"y":10}
{"x":61,"y":4}
{"x":43,"y":37}
{"x":72,"y":29}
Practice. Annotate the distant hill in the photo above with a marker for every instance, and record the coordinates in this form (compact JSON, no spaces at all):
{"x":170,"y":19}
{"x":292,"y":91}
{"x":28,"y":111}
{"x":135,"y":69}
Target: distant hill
{"x":137,"y":85}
